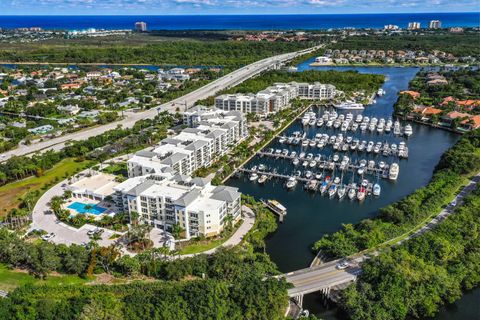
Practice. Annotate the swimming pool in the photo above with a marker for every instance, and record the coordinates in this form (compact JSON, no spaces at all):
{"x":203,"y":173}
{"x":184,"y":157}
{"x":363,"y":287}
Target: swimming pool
{"x":84,"y":208}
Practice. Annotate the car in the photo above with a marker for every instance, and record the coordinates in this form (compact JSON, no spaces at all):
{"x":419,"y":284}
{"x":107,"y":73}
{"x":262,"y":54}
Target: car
{"x":48,"y":236}
{"x":343,"y":265}
{"x":453,"y":203}
{"x":96,"y":231}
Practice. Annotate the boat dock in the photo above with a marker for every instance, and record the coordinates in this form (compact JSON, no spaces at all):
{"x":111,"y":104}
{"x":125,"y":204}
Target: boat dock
{"x":322,"y":164}
{"x":276,"y":207}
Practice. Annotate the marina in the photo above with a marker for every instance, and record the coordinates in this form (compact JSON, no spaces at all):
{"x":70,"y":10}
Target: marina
{"x":311,"y":214}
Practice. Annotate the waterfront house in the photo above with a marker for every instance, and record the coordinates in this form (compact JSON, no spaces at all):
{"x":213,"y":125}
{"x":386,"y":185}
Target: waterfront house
{"x":413,"y":94}
{"x":471,"y":123}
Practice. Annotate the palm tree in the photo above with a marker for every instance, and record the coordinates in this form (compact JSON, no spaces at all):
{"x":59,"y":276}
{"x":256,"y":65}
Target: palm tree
{"x":176,"y":230}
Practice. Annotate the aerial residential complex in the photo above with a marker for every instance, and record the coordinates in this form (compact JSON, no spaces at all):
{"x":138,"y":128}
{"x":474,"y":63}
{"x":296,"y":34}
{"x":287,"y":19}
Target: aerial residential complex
{"x":163,"y":200}
{"x":209,"y":137}
{"x":274,"y":98}
{"x":160,"y":187}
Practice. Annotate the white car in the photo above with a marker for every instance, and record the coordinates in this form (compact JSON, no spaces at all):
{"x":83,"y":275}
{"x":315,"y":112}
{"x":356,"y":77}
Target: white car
{"x":453,"y":203}
{"x":48,"y":236}
{"x":343,"y":265}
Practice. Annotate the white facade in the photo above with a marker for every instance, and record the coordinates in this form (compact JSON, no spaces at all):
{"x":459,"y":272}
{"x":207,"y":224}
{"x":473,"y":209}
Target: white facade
{"x":274,"y":98}
{"x":166,"y":200}
{"x":212,"y":135}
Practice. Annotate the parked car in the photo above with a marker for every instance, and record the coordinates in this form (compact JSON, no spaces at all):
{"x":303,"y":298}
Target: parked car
{"x":48,"y":236}
{"x":96,"y":231}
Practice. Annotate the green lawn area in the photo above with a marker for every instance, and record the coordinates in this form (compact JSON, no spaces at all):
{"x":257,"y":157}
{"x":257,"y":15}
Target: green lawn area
{"x":10,"y":279}
{"x":11,"y":194}
{"x":201,"y":246}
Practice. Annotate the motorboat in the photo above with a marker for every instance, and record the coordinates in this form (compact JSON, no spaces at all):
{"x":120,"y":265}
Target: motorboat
{"x":313,"y":164}
{"x":352,"y":191}
{"x":337,"y":123}
{"x":349,"y":106}
{"x":302,"y":155}
{"x":381,"y":164}
{"x":305,"y":120}
{"x":305,"y":143}
{"x":396,"y":128}
{"x":363,"y":126}
{"x":354,"y":127}
{"x":261,"y":167}
{"x":318,"y":176}
{"x":309,"y":156}
{"x":262,"y":179}
{"x":380,"y":92}
{"x":308,"y":174}
{"x":293,"y":154}
{"x":332,"y":191}
{"x":312,"y":143}
{"x":320,"y":122}
{"x":336,"y":157}
{"x":361,"y":171}
{"x":361,"y":194}
{"x":349,"y":139}
{"x":295,"y":162}
{"x":370,"y":146}
{"x":282,"y":139}
{"x":364,"y":183}
{"x":336,"y":180}
{"x":394,"y":171}
{"x":305,"y":163}
{"x":358,"y":118}
{"x":312,"y":122}
{"x":291,"y":183}
{"x":408,"y":130}
{"x":329,"y":123}
{"x":253,"y":177}
{"x":342,"y":190}
{"x":285,"y":152}
{"x":377,"y":189}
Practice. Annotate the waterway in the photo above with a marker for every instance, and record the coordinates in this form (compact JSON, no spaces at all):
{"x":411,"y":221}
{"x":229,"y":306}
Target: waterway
{"x":310,"y":216}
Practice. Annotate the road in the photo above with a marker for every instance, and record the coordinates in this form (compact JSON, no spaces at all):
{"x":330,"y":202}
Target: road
{"x":187,"y":100}
{"x":327,"y":275}
{"x":321,"y":277}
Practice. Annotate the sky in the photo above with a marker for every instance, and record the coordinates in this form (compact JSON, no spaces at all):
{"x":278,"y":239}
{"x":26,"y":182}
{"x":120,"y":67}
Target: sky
{"x":167,"y":7}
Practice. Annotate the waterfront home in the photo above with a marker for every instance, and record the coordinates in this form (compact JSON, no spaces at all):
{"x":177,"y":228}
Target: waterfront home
{"x":427,"y":112}
{"x":451,"y":116}
{"x":413,"y":94}
{"x":471,"y":123}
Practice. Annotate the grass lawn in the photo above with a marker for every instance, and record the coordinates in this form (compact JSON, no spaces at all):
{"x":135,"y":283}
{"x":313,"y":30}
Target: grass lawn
{"x":201,"y":246}
{"x":11,"y":194}
{"x":11,"y":279}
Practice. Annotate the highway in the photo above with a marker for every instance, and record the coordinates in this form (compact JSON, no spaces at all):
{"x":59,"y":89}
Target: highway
{"x":183,"y":102}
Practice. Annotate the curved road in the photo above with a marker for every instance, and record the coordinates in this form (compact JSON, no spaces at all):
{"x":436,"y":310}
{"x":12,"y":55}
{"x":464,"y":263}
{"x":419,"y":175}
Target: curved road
{"x":327,"y":275}
{"x":188,"y":100}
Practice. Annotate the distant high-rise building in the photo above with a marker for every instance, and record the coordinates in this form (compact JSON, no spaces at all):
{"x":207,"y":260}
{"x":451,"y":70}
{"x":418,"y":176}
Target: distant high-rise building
{"x":435,"y":24}
{"x":140,"y":26}
{"x":391,"y":27}
{"x":414,"y":25}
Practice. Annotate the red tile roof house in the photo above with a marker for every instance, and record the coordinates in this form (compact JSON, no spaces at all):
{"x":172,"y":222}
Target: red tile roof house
{"x":449,"y":117}
{"x":466,"y":104}
{"x":413,"y":94}
{"x":472,"y":123}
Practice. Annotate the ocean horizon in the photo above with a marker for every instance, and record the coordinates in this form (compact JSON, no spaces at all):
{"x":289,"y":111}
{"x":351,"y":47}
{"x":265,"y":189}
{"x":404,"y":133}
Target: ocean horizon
{"x":239,"y":22}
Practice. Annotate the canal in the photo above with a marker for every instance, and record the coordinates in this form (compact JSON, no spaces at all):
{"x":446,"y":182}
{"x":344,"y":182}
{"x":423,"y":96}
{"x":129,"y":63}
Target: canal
{"x":310,"y":216}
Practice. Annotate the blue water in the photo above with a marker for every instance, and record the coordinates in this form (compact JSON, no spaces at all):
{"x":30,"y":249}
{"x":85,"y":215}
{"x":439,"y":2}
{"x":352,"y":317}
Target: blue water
{"x":244,"y":22}
{"x":81,"y":208}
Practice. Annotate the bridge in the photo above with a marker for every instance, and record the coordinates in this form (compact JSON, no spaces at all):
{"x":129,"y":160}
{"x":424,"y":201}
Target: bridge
{"x":322,"y":278}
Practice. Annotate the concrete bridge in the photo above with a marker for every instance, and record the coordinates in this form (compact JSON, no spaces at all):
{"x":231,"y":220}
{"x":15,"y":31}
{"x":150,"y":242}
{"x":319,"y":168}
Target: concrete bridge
{"x":323,"y":278}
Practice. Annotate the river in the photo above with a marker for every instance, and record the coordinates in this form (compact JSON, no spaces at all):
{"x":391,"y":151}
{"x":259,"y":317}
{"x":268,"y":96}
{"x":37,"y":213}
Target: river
{"x":310,"y":216}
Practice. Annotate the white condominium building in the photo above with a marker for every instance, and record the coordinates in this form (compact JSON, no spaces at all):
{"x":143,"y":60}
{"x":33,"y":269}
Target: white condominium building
{"x":166,"y":199}
{"x":212,"y":136}
{"x":274,"y":98}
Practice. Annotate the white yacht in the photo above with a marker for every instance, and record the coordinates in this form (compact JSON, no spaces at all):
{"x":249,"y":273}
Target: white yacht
{"x":291,"y":183}
{"x":352,"y":191}
{"x":253,"y":177}
{"x":349,"y":106}
{"x":394,"y":170}
{"x":408,"y":130}
{"x":376,"y":189}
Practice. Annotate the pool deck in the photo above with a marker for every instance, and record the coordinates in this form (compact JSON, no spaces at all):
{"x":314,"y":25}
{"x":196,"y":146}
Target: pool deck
{"x":108,"y":210}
